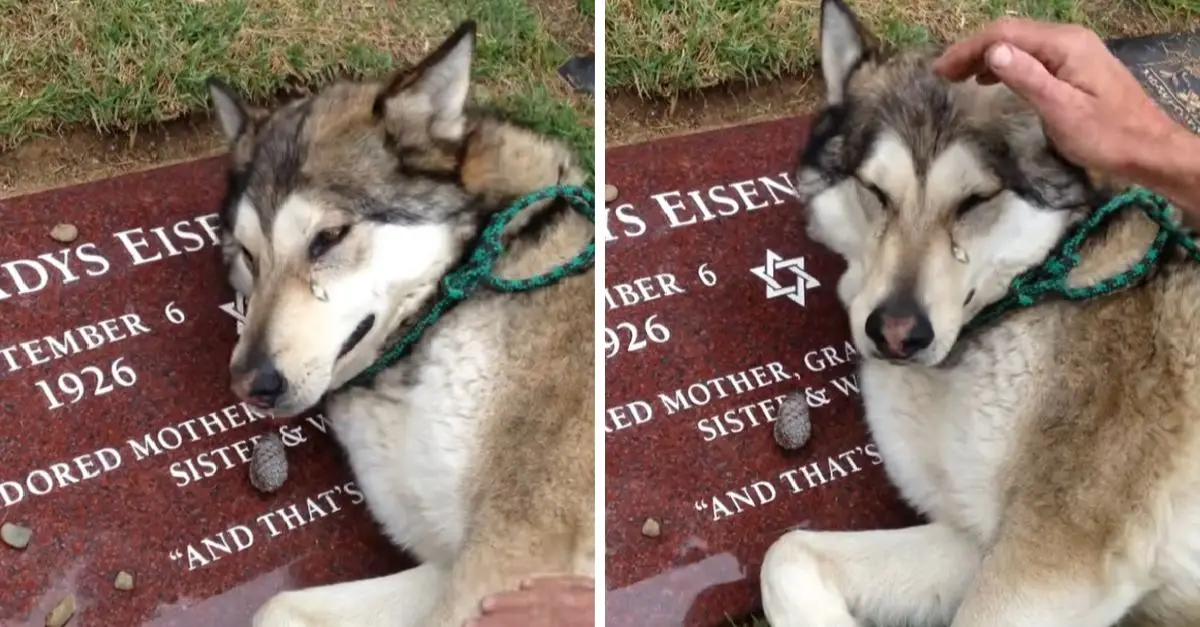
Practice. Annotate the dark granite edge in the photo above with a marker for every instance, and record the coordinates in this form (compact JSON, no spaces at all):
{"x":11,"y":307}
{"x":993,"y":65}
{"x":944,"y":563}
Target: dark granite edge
{"x":1154,"y":43}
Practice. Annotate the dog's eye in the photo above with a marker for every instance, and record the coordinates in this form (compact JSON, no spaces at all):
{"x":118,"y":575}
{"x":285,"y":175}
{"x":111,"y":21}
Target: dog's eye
{"x":327,"y":239}
{"x":970,"y":202}
{"x":878,"y":193}
{"x":249,"y":260}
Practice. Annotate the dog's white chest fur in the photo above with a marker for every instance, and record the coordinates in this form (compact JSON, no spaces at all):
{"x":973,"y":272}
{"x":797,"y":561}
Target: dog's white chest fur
{"x":412,"y":439}
{"x":947,"y":436}
{"x":953,"y":440}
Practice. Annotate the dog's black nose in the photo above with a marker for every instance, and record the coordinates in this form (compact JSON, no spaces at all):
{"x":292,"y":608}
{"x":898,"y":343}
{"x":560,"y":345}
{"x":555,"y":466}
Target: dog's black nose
{"x":267,"y":385}
{"x":261,"y":385}
{"x":899,"y":328}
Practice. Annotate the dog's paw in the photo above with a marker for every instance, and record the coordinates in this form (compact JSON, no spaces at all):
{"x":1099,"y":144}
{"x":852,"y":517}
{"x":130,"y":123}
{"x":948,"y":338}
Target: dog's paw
{"x":795,"y":593}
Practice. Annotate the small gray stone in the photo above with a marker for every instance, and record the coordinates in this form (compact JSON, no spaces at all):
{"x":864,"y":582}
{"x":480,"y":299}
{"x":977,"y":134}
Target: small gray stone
{"x":268,"y":466}
{"x":15,"y":536}
{"x":651,"y":528}
{"x":64,"y":233}
{"x":123,"y":581}
{"x":610,"y":193}
{"x":793,"y":427}
{"x":62,"y":613}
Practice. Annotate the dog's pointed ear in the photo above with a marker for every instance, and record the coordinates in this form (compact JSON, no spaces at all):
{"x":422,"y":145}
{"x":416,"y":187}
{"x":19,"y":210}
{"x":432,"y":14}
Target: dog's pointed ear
{"x":844,"y":45}
{"x":231,"y":111}
{"x":440,"y":82}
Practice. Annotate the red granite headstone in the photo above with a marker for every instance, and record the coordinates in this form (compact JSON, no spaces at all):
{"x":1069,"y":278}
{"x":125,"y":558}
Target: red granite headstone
{"x":122,"y":448}
{"x":718,"y":305}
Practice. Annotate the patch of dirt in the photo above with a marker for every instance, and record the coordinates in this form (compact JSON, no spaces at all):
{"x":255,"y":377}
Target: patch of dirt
{"x":564,"y":22}
{"x":631,"y":120}
{"x":81,"y":155}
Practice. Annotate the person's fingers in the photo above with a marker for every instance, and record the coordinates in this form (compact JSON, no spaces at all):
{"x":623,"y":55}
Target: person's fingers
{"x":524,"y":602}
{"x":986,"y":78}
{"x":579,"y":582}
{"x":1040,"y":39}
{"x":571,"y":591}
{"x":509,"y":601}
{"x":1027,"y":77}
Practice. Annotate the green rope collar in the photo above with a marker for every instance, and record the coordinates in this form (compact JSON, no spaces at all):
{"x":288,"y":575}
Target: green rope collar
{"x":1050,"y":277}
{"x":477,"y":271}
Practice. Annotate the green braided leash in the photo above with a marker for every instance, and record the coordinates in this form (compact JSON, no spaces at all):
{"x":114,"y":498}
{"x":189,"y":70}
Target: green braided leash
{"x":1050,"y":277}
{"x":477,"y":271}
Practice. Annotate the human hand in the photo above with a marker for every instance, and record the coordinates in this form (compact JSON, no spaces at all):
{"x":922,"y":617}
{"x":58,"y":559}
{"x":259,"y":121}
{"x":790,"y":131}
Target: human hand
{"x":545,"y":602}
{"x":1093,"y":110}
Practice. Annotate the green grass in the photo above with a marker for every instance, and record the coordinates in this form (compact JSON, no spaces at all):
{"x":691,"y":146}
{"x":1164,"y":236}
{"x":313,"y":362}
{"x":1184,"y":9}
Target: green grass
{"x":119,"y":64}
{"x":663,"y":48}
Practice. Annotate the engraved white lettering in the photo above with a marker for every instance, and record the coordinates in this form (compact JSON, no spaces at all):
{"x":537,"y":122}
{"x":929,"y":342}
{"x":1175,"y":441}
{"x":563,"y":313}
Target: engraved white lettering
{"x":810,"y":476}
{"x":243,"y":536}
{"x":59,"y":475}
{"x":628,"y":415}
{"x":702,"y":393}
{"x":642,"y":290}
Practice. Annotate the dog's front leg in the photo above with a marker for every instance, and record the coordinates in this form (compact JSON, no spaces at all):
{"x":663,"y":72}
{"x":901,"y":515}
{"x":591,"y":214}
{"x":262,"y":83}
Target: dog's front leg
{"x":1041,"y":582}
{"x":898,"y":576}
{"x":404,"y":599}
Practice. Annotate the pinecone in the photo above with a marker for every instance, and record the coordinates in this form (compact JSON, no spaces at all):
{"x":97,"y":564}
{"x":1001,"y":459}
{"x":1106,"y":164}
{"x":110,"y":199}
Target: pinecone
{"x":268,"y":466}
{"x":793,"y":427}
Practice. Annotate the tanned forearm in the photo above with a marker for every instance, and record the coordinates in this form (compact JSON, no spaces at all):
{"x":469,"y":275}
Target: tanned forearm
{"x":1170,"y":167}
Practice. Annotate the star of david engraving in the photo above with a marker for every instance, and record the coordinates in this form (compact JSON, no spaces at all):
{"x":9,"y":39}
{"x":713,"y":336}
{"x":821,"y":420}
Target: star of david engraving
{"x":237,"y":309}
{"x":794,"y":283}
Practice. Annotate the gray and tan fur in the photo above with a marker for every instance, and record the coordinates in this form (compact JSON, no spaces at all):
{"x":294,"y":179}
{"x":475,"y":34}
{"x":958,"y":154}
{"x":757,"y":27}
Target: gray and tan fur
{"x":476,"y":452}
{"x":1054,"y":453}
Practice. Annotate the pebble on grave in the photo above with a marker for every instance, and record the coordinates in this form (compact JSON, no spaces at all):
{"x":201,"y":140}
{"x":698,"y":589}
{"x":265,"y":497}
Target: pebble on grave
{"x":62,"y":613}
{"x":651,"y":528}
{"x":15,"y":535}
{"x":64,"y":233}
{"x":123,"y":581}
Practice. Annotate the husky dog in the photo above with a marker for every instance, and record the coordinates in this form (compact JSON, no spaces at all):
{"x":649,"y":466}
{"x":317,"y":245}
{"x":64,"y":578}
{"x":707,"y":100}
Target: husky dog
{"x":1055,"y":452}
{"x":476,"y":452}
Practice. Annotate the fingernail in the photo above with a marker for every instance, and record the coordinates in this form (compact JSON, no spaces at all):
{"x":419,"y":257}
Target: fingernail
{"x":526,"y":583}
{"x":1000,"y":56}
{"x":488,"y":603}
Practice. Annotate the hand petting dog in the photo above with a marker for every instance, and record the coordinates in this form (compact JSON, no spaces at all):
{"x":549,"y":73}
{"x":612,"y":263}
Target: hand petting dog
{"x":1092,"y":108}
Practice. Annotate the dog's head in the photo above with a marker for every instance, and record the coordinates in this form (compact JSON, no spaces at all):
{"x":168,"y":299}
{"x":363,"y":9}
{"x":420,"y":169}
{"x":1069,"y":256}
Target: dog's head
{"x":936,"y":194}
{"x":345,"y":209}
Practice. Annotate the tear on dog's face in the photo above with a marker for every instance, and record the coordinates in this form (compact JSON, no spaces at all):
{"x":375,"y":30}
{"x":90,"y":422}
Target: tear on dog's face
{"x":344,"y":210}
{"x":936,"y":194}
